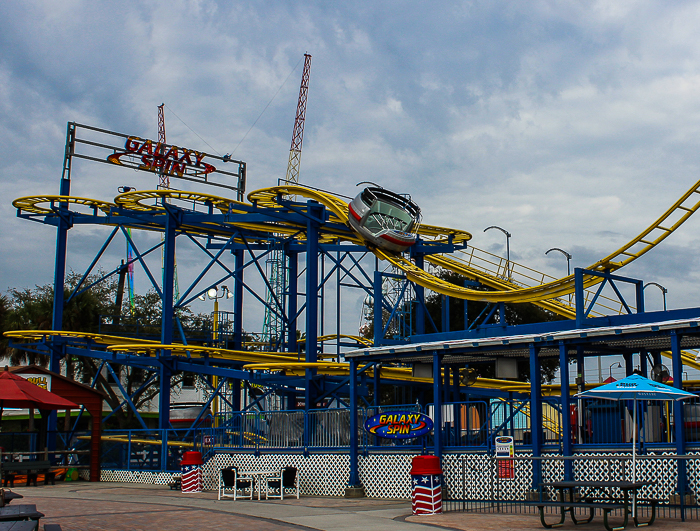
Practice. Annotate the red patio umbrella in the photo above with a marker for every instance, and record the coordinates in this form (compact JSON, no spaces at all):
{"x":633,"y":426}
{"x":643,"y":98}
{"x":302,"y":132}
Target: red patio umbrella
{"x":16,"y":391}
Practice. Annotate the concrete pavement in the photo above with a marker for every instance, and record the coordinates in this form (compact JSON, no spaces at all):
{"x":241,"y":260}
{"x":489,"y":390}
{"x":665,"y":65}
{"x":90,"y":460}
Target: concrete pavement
{"x":86,"y":506}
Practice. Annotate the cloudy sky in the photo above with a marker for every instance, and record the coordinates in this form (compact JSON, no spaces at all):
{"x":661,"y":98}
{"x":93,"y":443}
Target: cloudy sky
{"x":570,"y":124}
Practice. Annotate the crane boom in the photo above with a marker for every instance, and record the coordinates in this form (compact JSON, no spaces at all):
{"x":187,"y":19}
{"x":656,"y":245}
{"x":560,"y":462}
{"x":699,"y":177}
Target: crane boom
{"x":298,"y":133}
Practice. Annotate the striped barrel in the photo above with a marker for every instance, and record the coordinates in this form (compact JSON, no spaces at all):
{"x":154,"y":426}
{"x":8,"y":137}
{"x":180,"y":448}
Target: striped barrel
{"x":426,"y":497}
{"x":426,"y":481}
{"x":191,"y":469}
{"x":191,"y":478}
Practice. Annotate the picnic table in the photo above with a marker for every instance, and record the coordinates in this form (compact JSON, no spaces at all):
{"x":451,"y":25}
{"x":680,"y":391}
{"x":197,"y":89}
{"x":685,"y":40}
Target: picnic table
{"x":607,"y":496}
{"x":19,"y":512}
{"x":20,"y":525}
{"x":8,"y":496}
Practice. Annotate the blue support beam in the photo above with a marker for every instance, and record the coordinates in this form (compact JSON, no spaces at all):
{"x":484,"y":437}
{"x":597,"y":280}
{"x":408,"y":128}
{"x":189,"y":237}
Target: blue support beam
{"x":437,"y":405}
{"x":566,"y":428}
{"x":679,"y":424}
{"x":354,"y":480}
{"x":536,"y":416}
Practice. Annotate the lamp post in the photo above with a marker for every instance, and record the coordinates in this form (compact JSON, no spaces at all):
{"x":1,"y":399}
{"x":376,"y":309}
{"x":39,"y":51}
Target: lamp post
{"x":619,"y":366}
{"x":213,"y":294}
{"x":508,"y":235}
{"x":664,"y":291}
{"x":568,"y":263}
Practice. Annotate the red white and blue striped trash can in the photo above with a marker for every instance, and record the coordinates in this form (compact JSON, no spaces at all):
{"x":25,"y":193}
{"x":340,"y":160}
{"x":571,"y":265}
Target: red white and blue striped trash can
{"x":191,"y":470}
{"x":426,"y":481}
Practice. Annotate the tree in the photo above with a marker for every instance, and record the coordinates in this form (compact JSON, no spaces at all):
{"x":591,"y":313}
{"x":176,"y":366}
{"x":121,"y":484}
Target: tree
{"x":93,"y":310}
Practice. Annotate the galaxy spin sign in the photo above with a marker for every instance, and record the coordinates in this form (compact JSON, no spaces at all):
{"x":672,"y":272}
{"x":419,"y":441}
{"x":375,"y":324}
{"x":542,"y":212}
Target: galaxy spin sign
{"x":399,"y":425}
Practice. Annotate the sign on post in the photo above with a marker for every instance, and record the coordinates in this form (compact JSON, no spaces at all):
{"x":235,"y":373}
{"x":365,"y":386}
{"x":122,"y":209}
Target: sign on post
{"x":399,"y":425}
{"x":505,"y":451}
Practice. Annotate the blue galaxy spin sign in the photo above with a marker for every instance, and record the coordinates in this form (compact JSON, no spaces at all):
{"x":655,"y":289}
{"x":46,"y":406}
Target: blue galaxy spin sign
{"x":399,"y":425}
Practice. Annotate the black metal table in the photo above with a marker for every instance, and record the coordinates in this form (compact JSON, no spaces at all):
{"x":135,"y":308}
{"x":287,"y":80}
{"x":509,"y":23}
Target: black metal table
{"x":594,"y":495}
{"x":8,"y":496}
{"x":19,"y":512}
{"x":20,"y":525}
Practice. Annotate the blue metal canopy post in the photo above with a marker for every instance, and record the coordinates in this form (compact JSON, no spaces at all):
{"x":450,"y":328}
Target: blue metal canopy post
{"x":565,"y":411}
{"x":679,"y":424}
{"x":535,"y":416}
{"x":437,"y":405}
{"x":354,"y":480}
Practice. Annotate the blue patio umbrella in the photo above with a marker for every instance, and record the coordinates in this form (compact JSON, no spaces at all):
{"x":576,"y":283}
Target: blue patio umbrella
{"x":636,"y":387}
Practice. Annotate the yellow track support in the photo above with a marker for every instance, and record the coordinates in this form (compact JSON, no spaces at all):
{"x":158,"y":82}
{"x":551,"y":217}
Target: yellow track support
{"x":48,"y":204}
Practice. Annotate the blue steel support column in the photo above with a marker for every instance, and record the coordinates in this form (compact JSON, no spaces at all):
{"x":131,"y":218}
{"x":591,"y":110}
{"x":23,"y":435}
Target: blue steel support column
{"x":377,"y":386}
{"x":580,"y":387}
{"x":315,"y":212}
{"x":235,"y":384}
{"x":238,"y":299}
{"x":420,"y":298}
{"x":679,"y":424}
{"x":354,"y":466}
{"x":166,"y":335}
{"x":536,"y":416}
{"x":437,"y":405}
{"x":293,"y":261}
{"x":629,"y":364}
{"x":59,"y":278}
{"x":378,"y":308}
{"x":578,"y":297}
{"x":565,"y":411}
{"x":643,"y":365}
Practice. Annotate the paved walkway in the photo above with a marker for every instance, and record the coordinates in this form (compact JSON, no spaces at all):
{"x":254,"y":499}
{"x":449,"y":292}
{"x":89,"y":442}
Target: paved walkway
{"x":121,"y":507}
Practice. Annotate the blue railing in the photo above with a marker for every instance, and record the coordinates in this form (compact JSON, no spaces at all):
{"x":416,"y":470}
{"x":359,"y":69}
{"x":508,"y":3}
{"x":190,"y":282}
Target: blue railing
{"x":466,"y":426}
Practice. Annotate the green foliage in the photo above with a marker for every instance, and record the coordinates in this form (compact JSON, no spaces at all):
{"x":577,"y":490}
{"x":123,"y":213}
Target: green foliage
{"x":32,"y":309}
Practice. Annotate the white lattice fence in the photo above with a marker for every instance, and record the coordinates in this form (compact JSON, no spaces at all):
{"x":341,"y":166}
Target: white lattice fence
{"x":383,"y":475}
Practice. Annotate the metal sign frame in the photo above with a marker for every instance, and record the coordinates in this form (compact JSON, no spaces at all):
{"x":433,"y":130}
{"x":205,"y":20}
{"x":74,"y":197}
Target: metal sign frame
{"x":129,"y":151}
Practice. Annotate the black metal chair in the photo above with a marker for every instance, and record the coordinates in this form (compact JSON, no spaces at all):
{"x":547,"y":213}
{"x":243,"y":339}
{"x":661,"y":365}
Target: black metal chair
{"x":231,"y":482}
{"x":288,"y":479}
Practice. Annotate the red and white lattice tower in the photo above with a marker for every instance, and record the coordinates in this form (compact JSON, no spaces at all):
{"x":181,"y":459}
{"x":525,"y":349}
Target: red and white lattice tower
{"x":164,"y":184}
{"x":298,"y":133}
{"x":273,"y":326}
{"x":163,"y":177}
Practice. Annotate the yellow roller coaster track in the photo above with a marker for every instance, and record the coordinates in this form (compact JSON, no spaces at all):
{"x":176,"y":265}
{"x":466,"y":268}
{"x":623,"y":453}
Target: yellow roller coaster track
{"x":506,"y":289}
{"x":511,"y":282}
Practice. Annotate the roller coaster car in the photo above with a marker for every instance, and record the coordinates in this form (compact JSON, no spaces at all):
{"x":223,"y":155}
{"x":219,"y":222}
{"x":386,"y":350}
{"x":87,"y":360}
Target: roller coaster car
{"x":385,"y":219}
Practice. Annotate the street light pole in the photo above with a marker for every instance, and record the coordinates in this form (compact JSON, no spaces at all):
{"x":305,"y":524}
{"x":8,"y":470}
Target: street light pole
{"x":508,"y":235}
{"x":619,"y":366}
{"x":568,"y":263}
{"x":568,"y":258}
{"x":213,"y":294}
{"x":664,"y":291}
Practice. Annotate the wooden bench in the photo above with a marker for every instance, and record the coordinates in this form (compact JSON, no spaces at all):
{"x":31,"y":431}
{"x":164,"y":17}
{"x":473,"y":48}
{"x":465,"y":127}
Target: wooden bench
{"x":31,"y":469}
